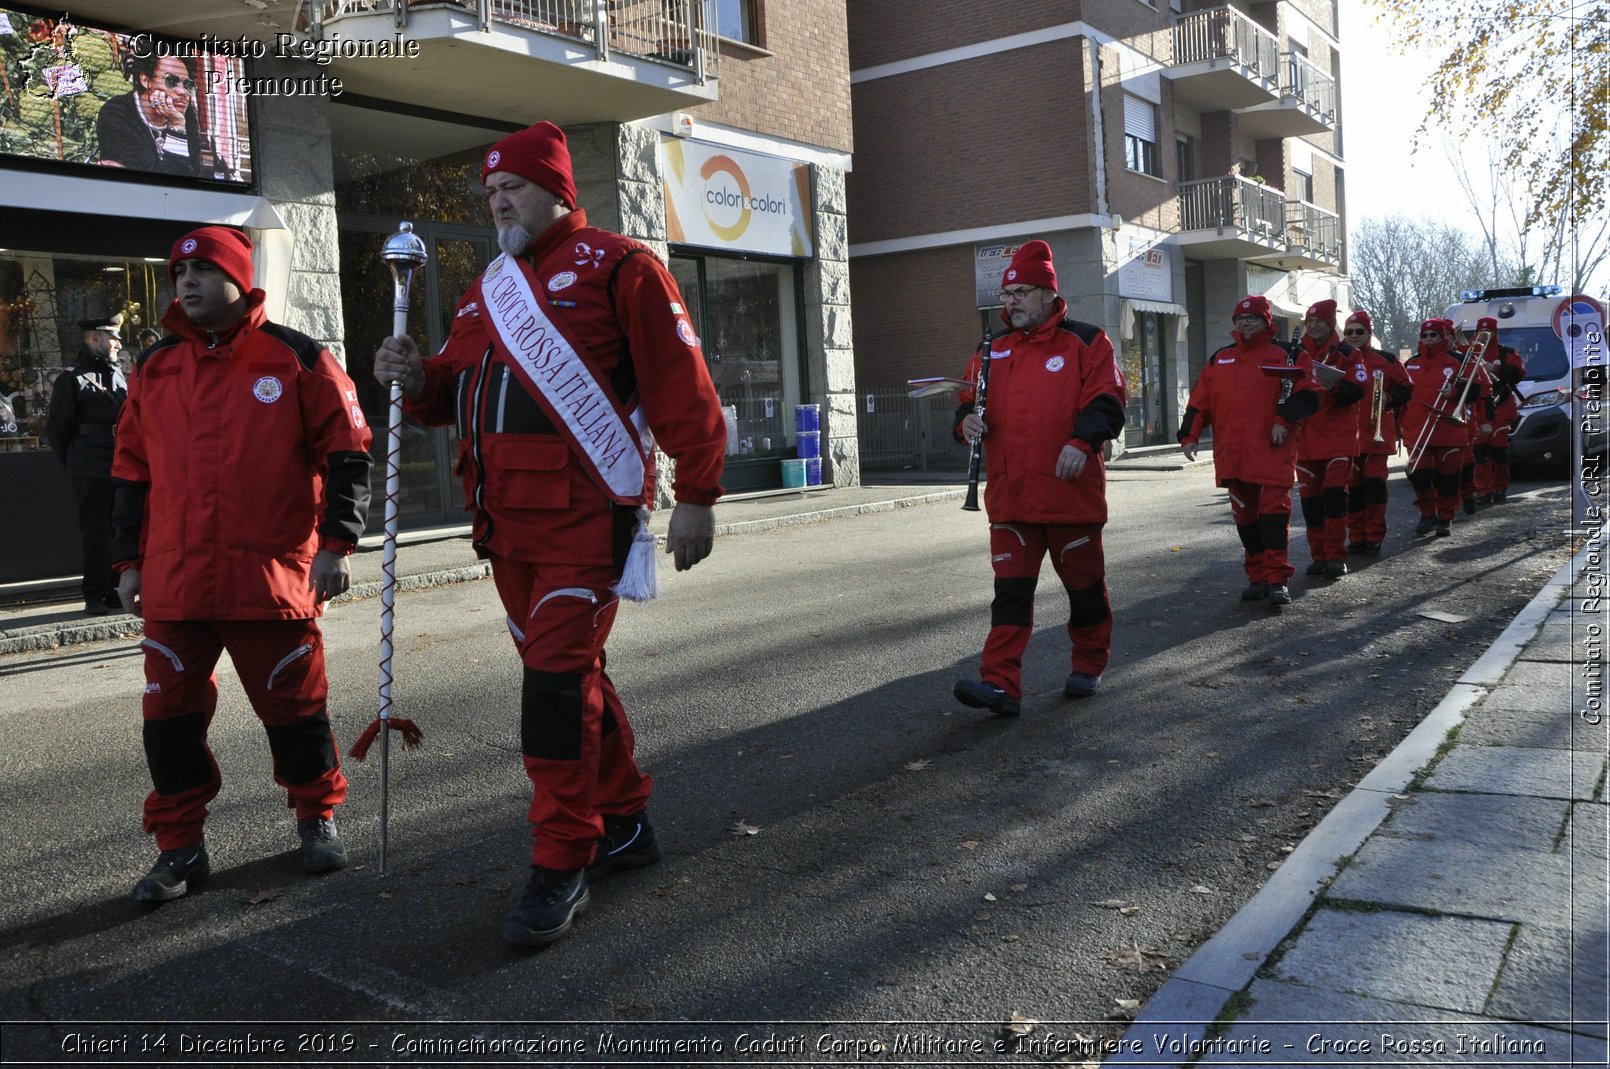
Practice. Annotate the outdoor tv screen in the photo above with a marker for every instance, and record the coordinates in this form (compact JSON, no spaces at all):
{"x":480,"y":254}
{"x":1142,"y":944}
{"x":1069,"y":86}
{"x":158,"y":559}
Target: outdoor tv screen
{"x":77,"y":94}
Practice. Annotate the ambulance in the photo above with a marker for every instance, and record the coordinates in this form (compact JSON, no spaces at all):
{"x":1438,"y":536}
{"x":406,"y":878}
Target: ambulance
{"x":1528,"y":322}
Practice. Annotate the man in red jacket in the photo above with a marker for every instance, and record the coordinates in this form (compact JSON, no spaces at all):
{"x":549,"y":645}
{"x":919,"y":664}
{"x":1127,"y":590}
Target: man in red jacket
{"x":569,"y":351}
{"x":1435,"y":428}
{"x":1506,"y":369}
{"x":240,"y":486}
{"x":1377,"y":438}
{"x":1327,"y":441}
{"x":1054,"y":397}
{"x":1254,"y":415}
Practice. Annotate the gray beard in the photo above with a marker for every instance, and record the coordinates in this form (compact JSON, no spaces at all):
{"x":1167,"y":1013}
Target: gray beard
{"x":513,"y":238}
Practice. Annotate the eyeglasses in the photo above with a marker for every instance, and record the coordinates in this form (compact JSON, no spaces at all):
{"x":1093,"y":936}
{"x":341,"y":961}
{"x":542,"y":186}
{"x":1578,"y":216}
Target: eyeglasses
{"x":173,"y":81}
{"x":1016,"y":295}
{"x":1429,"y":336}
{"x":1355,"y":330}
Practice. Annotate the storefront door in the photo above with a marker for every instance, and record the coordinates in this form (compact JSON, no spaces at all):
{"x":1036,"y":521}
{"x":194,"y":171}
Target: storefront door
{"x":1142,"y":359}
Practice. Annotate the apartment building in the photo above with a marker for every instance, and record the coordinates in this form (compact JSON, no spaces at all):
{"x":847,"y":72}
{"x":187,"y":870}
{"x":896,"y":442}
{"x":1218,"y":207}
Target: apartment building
{"x":1175,"y":155}
{"x":718,"y":131}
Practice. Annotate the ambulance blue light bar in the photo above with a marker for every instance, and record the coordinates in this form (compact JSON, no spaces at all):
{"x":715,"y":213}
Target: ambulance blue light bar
{"x":1517,"y":291}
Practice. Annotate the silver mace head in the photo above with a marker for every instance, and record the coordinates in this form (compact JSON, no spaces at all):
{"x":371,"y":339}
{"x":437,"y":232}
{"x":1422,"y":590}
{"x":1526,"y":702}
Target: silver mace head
{"x":404,"y":252}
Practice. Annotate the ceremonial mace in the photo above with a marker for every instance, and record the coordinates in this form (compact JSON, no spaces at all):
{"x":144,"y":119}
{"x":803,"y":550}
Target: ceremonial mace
{"x":404,"y":254}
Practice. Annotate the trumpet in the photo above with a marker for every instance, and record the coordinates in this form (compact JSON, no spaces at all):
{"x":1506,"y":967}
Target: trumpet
{"x":1378,"y":402}
{"x":1467,"y":372}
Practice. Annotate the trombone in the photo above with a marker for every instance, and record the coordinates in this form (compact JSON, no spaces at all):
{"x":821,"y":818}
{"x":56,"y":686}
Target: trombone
{"x":1468,"y":368}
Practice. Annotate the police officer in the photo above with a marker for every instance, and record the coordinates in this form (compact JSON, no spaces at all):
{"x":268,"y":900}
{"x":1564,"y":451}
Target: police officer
{"x":84,"y":406}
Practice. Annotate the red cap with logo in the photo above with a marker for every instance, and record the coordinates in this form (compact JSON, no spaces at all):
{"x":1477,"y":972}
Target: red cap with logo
{"x":538,"y":154}
{"x":1324,"y":310}
{"x":224,"y":246}
{"x":1031,"y":266}
{"x":1362,"y":317}
{"x":1255,"y":306}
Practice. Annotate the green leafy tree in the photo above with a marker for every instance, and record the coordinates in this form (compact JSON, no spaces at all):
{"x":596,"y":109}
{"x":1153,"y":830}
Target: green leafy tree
{"x":1531,"y":76}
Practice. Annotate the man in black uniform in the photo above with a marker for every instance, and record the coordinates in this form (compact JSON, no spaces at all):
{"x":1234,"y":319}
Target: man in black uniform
{"x":84,"y":406}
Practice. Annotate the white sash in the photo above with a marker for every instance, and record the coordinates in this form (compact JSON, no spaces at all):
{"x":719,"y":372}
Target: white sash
{"x":613,"y":447}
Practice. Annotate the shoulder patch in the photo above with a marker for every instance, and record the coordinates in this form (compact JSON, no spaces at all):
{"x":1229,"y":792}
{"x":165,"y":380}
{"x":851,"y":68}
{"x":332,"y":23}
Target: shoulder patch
{"x":1085,"y":332}
{"x":306,"y":349}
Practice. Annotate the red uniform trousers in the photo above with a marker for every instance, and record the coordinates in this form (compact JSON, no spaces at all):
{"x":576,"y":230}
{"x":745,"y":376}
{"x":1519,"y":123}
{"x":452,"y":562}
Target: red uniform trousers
{"x":281,"y":667}
{"x":1366,"y":500}
{"x":1322,"y":485}
{"x":1436,"y":480}
{"x":1467,"y":474}
{"x":1262,"y":519}
{"x":1016,"y":552}
{"x":574,"y":736}
{"x":1492,"y":459}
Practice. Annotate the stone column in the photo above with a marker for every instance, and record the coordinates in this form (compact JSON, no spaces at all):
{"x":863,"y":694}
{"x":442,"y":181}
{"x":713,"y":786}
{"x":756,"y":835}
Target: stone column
{"x":294,"y":170}
{"x":829,"y":349}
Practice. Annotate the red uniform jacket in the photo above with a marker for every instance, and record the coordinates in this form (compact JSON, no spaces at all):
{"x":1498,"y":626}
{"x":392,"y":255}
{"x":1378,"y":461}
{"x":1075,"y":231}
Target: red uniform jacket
{"x":238,"y":456}
{"x":1242,"y":404}
{"x":1332,"y":431}
{"x":1054,"y":385}
{"x":532,"y":499}
{"x":1506,"y":373}
{"x":1437,"y":387}
{"x":1396,"y":391}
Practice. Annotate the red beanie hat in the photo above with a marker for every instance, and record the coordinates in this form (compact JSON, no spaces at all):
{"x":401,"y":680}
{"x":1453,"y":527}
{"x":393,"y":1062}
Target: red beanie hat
{"x":1361,"y":316}
{"x":1031,"y":266}
{"x":538,"y":154}
{"x":1325,"y":310}
{"x":1256,"y":306}
{"x":1487,"y":323}
{"x":1436,"y":326}
{"x":224,"y":246}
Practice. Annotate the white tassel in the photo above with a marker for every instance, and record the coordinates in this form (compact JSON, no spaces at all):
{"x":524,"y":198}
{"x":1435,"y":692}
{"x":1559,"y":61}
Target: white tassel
{"x":640,"y":579}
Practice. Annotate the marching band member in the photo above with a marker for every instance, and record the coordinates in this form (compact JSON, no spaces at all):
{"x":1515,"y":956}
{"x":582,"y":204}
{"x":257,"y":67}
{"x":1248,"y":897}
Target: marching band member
{"x":1055,"y":397}
{"x":1327,"y":441}
{"x":1254,"y":416}
{"x":566,"y":346}
{"x":1437,"y":431}
{"x":1506,"y":369}
{"x":1377,"y":437}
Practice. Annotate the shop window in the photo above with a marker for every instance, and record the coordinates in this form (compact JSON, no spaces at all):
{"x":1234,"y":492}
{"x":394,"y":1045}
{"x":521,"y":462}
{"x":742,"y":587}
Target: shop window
{"x":745,"y":311}
{"x":1140,"y":135}
{"x":42,"y":298}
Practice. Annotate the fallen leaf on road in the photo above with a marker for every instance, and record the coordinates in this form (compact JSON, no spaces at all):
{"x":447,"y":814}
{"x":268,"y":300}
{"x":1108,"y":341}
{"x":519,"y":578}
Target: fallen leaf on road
{"x":918,"y":765}
{"x":1110,"y":903}
{"x":1018,"y":1025}
{"x":1129,"y":911}
{"x":1198,"y":889}
{"x":742,"y":828}
{"x":1128,"y":1005}
{"x":1008,"y":938}
{"x":1136,"y":957}
{"x":969,"y":844}
{"x":1020,"y":887}
{"x":1271,"y":866}
{"x":989,"y":896}
{"x":266,"y":896}
{"x":1443,"y":617}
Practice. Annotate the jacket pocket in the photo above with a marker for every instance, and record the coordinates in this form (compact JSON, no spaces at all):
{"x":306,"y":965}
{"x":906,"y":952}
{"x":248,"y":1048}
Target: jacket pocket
{"x":528,"y":471}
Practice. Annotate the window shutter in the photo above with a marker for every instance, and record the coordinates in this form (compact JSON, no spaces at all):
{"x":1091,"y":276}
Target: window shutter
{"x":1140,"y":118}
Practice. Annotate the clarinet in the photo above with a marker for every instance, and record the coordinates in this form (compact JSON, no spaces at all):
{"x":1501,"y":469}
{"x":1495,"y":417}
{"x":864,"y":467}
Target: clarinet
{"x":971,"y":503}
{"x":1291,"y":361}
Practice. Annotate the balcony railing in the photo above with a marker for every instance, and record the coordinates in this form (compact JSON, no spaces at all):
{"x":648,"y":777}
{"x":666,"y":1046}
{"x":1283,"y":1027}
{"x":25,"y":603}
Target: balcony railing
{"x":1223,"y":35}
{"x":671,"y":31}
{"x":1233,"y":201}
{"x":1315,"y":230}
{"x":1313,"y":87}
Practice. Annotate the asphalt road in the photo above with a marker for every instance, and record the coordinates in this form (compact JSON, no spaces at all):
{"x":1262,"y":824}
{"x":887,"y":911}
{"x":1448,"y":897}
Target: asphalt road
{"x":843,"y":841}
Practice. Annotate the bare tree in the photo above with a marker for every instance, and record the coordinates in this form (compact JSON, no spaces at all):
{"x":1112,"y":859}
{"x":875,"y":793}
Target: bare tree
{"x":1405,"y":271}
{"x":1546,"y":251}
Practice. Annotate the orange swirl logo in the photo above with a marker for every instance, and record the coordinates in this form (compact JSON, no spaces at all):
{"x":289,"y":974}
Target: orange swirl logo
{"x":724,"y":197}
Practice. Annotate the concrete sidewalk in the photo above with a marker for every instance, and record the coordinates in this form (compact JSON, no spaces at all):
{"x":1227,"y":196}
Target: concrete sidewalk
{"x":1451,"y":910}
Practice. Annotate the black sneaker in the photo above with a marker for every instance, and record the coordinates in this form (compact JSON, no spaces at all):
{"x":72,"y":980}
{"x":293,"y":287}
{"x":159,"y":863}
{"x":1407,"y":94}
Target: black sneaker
{"x":1080,"y":685}
{"x":322,"y":849}
{"x":1315,"y":567}
{"x":97,"y":608}
{"x":1470,"y":506}
{"x":1279,"y":596}
{"x":173,"y":874}
{"x":1444,"y":529}
{"x":1255,"y":592}
{"x":1426,"y":525}
{"x":1369,"y":549}
{"x":1499,"y":497}
{"x":628,"y":843}
{"x":551,"y":901}
{"x":1335,"y":569}
{"x":981,"y":695}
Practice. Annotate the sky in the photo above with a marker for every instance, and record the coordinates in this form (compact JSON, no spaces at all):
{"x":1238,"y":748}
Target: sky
{"x":1383,"y":100}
